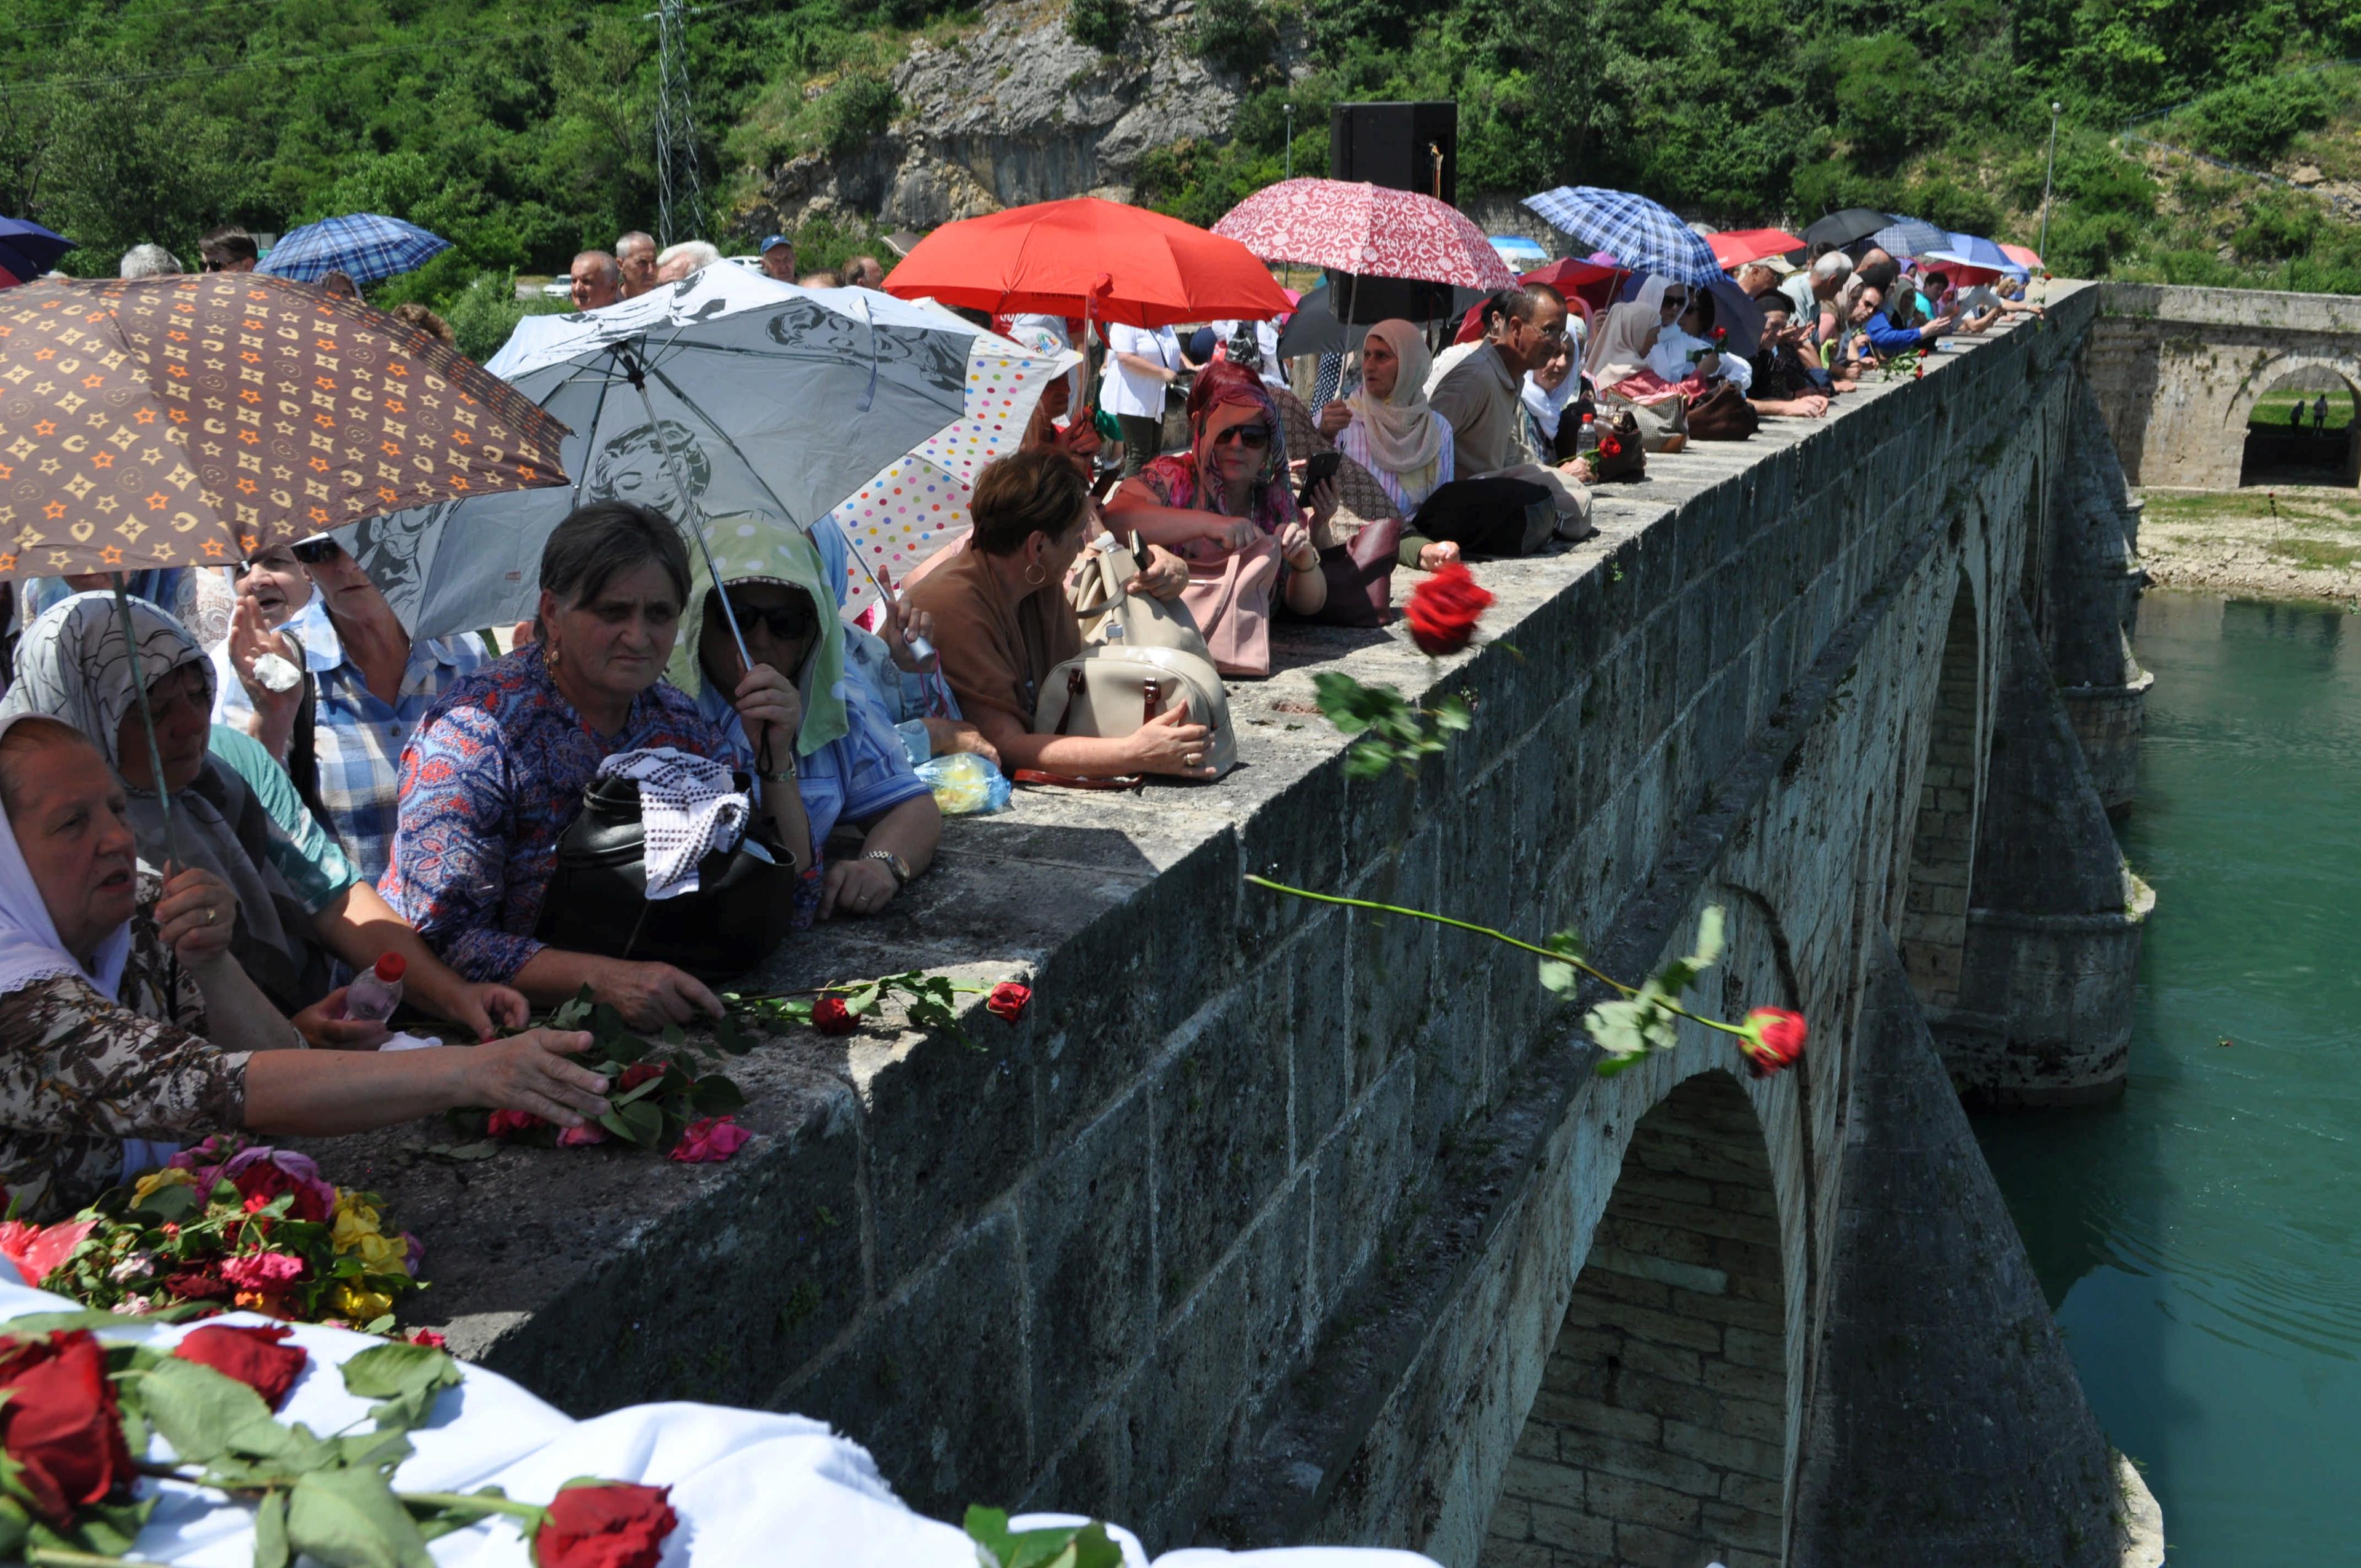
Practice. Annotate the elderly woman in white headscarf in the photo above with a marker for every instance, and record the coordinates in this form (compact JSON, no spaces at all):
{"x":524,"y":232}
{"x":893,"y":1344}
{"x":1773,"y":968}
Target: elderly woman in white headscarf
{"x":126,"y":1025}
{"x":71,"y":665}
{"x":1626,"y":368}
{"x":1389,"y":428}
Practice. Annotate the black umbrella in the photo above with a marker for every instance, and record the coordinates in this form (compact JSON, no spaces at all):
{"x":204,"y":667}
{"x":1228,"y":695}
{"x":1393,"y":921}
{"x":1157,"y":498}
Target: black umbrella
{"x":1312,"y":329}
{"x":1843,"y":228}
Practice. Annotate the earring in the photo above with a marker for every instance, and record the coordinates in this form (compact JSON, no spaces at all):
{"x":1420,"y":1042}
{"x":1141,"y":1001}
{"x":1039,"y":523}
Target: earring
{"x":1035,"y":576}
{"x":549,"y":654}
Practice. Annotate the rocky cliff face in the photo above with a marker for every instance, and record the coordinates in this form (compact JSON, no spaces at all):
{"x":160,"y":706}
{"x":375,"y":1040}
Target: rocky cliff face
{"x":1015,"y":111}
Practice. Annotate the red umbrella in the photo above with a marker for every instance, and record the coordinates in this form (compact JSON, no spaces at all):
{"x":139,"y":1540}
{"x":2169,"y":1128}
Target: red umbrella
{"x":1738,"y":247}
{"x":1368,"y":230}
{"x":1087,"y":256}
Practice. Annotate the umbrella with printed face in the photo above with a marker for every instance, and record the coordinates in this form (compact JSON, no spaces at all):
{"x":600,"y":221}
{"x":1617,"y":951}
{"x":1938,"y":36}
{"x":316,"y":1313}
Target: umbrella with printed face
{"x":729,"y":396}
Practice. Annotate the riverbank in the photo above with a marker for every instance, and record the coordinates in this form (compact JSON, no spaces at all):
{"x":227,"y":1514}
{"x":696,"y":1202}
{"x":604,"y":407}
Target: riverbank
{"x":2291,"y":541}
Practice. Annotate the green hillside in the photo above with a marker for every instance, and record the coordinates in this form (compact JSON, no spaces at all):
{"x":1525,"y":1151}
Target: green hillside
{"x":526,"y":133}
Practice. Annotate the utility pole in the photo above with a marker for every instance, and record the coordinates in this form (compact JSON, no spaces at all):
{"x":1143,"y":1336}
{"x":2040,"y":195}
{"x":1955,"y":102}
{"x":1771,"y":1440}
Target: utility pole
{"x":1291,"y":141}
{"x":680,"y":189}
{"x":2055,"y":109}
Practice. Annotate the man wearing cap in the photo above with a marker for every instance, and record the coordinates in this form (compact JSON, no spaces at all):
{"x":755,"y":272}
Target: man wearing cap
{"x":779,"y":257}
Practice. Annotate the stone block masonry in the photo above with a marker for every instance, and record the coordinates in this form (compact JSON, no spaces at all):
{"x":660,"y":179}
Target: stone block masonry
{"x":1263,"y":1226}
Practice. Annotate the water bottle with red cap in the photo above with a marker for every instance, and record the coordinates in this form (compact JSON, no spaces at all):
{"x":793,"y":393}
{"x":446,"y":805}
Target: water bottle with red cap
{"x":376,"y":992}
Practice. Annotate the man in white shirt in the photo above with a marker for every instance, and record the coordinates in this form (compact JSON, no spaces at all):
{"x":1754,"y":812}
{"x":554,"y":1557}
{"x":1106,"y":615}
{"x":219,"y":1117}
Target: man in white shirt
{"x":1140,"y":365}
{"x":1265,"y":336}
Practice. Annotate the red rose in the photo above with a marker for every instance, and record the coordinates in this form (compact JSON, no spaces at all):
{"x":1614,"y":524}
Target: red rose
{"x":59,"y":1424}
{"x":264,"y":1181}
{"x":1444,"y":609}
{"x":1774,"y":1039}
{"x":1610,"y":447}
{"x":1008,"y":999}
{"x":829,"y":1017}
{"x":252,"y":1356}
{"x":429,"y":1338}
{"x":613,"y":1525}
{"x":509,"y":1123}
{"x":199,"y":1284}
{"x":639,"y":1072}
{"x":1721,"y":335}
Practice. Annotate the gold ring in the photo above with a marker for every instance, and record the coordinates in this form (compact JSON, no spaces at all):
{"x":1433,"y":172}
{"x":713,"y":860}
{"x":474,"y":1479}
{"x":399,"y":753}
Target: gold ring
{"x":210,"y":913}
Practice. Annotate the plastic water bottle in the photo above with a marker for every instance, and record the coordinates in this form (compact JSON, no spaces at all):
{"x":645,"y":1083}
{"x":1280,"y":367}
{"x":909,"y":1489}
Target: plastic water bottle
{"x":1586,"y":440}
{"x":376,"y":992}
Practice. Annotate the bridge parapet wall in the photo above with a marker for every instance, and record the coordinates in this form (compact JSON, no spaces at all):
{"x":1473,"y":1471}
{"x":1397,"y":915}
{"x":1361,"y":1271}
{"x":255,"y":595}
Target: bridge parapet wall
{"x":1262,"y":1226}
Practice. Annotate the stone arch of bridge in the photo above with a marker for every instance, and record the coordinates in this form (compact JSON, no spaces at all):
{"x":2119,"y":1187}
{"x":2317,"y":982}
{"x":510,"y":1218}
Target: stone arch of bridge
{"x":1659,"y":1434}
{"x":1932,"y":934}
{"x":2238,"y":446}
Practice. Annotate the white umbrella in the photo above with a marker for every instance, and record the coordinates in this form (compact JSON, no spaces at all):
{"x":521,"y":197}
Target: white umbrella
{"x":727,"y":393}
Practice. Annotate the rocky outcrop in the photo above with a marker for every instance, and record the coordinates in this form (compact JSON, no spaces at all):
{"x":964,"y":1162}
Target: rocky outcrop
{"x":1018,"y":111}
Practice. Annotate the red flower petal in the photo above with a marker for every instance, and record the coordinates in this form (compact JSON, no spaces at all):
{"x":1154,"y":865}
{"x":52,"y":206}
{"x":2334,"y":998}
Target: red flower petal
{"x":252,"y":1356}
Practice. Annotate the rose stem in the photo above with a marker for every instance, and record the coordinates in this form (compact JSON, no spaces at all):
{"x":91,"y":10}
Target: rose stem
{"x":1669,"y":1005}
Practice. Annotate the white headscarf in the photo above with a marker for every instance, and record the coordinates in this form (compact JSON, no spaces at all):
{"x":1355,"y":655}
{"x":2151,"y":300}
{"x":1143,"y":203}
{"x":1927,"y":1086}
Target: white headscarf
{"x":70,"y":664}
{"x":1545,"y":406}
{"x":30,"y":948}
{"x":1404,"y":437}
{"x":1621,"y":349}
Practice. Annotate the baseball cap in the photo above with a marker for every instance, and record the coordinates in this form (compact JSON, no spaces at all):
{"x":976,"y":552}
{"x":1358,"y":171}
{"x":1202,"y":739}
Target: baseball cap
{"x":771,"y":241}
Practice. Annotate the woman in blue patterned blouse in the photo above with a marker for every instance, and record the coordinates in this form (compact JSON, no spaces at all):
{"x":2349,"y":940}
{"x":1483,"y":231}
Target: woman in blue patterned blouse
{"x":496,"y":771}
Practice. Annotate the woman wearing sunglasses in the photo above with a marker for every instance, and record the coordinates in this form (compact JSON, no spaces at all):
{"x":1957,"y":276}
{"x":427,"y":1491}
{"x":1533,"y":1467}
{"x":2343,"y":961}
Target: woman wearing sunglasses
{"x":851,"y":767}
{"x":1227,"y":505}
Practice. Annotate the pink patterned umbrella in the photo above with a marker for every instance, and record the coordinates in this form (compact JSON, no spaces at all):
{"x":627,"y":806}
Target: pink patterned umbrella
{"x":1354,"y":227}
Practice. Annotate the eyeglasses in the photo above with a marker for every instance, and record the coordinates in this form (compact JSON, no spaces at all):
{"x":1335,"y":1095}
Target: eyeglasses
{"x":786,"y":622}
{"x":315,"y":552}
{"x":1255,"y":436}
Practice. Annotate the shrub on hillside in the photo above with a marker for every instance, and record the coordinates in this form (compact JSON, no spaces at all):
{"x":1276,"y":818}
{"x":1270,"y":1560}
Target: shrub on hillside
{"x":1098,"y":23}
{"x":2253,"y":122}
{"x":1235,"y":36}
{"x":859,"y":108}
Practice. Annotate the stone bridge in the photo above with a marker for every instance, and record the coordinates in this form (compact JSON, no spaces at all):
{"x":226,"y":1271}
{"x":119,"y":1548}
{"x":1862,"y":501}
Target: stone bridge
{"x":2178,"y":370}
{"x":1285,"y":1222}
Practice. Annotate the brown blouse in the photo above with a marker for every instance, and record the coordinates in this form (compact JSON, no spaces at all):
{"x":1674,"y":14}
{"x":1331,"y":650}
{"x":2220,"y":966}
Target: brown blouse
{"x":995,"y":657}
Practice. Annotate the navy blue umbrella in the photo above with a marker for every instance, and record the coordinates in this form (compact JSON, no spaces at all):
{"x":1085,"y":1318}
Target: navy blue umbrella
{"x":364,"y":246}
{"x":27,"y":250}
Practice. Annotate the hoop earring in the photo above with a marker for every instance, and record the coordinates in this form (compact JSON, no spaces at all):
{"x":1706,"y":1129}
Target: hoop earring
{"x":1036,"y":576}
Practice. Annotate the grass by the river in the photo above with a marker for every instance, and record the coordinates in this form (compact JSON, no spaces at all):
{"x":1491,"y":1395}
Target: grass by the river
{"x":2270,"y":410}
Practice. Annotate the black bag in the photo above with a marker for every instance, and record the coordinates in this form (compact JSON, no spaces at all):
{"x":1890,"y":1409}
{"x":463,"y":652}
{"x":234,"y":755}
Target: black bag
{"x":1498,"y":516}
{"x":598,"y":899}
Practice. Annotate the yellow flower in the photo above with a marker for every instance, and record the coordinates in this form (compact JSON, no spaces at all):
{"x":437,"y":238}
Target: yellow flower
{"x":360,"y":1307}
{"x":157,"y":1180}
{"x":383,"y":1254}
{"x":355,"y":1223}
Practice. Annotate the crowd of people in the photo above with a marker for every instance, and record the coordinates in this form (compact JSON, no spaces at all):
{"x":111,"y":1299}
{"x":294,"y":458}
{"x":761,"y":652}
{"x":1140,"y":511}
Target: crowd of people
{"x":189,"y":882}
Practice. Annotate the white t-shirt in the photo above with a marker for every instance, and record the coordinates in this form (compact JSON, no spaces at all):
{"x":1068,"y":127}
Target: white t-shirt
{"x":1130,"y":391}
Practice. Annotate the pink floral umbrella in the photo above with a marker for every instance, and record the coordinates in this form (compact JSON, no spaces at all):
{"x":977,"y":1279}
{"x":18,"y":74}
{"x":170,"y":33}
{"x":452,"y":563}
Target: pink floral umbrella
{"x":1354,"y":227}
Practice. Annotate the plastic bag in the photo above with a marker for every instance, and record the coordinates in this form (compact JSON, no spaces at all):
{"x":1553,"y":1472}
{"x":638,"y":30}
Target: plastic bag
{"x":965,"y":784}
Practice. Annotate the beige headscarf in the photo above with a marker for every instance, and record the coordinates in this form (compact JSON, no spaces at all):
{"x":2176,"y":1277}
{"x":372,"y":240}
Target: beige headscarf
{"x":1619,"y":349}
{"x":1404,"y":437}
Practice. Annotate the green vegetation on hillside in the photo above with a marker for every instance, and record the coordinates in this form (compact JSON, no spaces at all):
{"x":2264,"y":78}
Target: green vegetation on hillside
{"x":524,"y":132}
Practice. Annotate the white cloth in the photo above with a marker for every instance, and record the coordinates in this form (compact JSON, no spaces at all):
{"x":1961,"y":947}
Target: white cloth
{"x":1135,"y":392}
{"x":1670,"y":359}
{"x":749,"y":1486}
{"x":30,"y":948}
{"x":1547,"y":407}
{"x":1353,"y":440}
{"x":1450,"y":359}
{"x":688,"y":808}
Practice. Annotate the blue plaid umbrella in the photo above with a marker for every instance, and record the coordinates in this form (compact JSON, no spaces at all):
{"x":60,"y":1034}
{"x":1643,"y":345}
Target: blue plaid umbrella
{"x":1909,"y":236}
{"x":364,"y":246}
{"x":1969,"y":250}
{"x":1643,"y":235}
{"x":27,"y":250}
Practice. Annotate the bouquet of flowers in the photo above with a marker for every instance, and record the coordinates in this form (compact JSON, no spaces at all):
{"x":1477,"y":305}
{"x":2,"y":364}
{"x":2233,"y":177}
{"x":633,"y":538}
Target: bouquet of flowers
{"x":226,"y":1224}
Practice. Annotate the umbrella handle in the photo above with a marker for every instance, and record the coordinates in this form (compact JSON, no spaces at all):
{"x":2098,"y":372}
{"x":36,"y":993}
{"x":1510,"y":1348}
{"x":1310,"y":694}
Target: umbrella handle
{"x":173,"y":846}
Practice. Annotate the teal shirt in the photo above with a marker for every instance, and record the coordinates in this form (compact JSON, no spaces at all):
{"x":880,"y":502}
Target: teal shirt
{"x":300,"y":849}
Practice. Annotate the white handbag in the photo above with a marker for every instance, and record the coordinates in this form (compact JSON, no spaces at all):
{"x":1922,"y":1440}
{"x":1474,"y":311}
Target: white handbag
{"x":1146,"y":657}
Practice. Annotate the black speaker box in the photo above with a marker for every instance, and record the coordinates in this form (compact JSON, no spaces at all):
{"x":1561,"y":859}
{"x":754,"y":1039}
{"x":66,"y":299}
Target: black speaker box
{"x":1407,"y":146}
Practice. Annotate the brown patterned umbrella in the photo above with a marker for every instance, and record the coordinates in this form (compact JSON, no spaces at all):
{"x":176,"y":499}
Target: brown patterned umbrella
{"x":190,"y":421}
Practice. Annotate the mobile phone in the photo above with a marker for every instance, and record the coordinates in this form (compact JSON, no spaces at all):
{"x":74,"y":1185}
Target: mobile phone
{"x":1319,"y":468}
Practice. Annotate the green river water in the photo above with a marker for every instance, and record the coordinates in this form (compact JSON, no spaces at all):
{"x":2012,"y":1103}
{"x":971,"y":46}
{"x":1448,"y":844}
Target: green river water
{"x":2201,"y":1238}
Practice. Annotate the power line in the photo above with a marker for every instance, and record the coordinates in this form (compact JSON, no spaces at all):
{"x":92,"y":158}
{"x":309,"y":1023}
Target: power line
{"x":680,"y":186}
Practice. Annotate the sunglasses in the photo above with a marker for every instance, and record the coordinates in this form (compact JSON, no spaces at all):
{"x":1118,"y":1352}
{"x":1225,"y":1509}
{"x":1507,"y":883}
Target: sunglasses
{"x":315,"y":552}
{"x":785,"y":622}
{"x":1254,"y":435}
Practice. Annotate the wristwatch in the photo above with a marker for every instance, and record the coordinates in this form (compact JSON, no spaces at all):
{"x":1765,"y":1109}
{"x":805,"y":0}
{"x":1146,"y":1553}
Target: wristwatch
{"x":894,"y":863}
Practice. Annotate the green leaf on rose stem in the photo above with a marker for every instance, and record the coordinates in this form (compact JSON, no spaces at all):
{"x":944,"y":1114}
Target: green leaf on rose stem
{"x":350,"y":1518}
{"x":653,"y":1086}
{"x":861,"y":999}
{"x":270,"y":1547}
{"x":626,"y":1049}
{"x":572,"y":1014}
{"x":196,"y":1409}
{"x":1451,"y":714}
{"x":462,"y":1154}
{"x":15,"y":1524}
{"x":371,"y":1450}
{"x":1062,"y":1546}
{"x":168,"y":1204}
{"x":732,"y":1039}
{"x":407,"y":1378}
{"x":105,"y":1530}
{"x":1368,"y":760}
{"x":1556,"y":975}
{"x":714,"y":1095}
{"x":33,"y":1324}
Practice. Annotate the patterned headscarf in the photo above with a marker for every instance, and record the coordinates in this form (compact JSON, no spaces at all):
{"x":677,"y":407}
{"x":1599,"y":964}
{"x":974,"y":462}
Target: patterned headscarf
{"x":71,"y":665}
{"x":1186,"y":479}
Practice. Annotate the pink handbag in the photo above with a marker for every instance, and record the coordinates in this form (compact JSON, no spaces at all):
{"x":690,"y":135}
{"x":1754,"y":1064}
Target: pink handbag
{"x":1229,"y":596}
